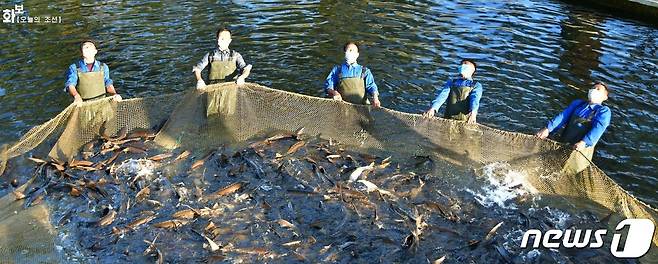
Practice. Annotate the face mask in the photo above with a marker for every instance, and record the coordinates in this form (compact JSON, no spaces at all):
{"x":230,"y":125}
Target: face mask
{"x":223,"y":44}
{"x":465,"y":70}
{"x":595,"y":96}
{"x":350,"y":57}
{"x":88,"y":53}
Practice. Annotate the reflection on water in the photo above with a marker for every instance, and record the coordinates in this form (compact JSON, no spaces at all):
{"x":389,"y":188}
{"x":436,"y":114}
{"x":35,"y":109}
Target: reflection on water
{"x":535,"y":57}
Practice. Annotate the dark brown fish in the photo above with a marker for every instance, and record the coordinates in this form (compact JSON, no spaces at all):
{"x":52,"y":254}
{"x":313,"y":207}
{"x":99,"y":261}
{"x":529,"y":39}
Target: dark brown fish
{"x":185,"y":214}
{"x":151,"y":246}
{"x":473,"y":243}
{"x":37,"y":160}
{"x":75,"y":192}
{"x":175,"y":223}
{"x":86,"y":168}
{"x":138,"y":144}
{"x":384,"y":164}
{"x":415,"y":191}
{"x":332,"y":158}
{"x":183,"y":155}
{"x":122,"y":134}
{"x":441,"y":209}
{"x":104,"y":133}
{"x":161,"y":156}
{"x":119,"y":231}
{"x":305,"y":192}
{"x":142,"y":194}
{"x":231,"y":188}
{"x":443,"y":229}
{"x":87,"y":155}
{"x":439,"y":260}
{"x":131,"y":149}
{"x":278,"y":137}
{"x":54,"y":160}
{"x":112,"y":159}
{"x":298,"y":256}
{"x":142,"y":133}
{"x":153,"y":202}
{"x":207,"y":212}
{"x":299,"y":134}
{"x":110,"y":149}
{"x":265,"y":205}
{"x":368,"y":158}
{"x":76,"y":163}
{"x":160,"y":259}
{"x":121,"y":142}
{"x":285,"y":224}
{"x":295,"y":147}
{"x":213,"y":246}
{"x":295,"y":243}
{"x":492,"y":232}
{"x":202,"y":161}
{"x":108,"y":218}
{"x":89,"y":146}
{"x":58,"y":166}
{"x":347,"y":192}
{"x":252,"y":251}
{"x":140,"y":222}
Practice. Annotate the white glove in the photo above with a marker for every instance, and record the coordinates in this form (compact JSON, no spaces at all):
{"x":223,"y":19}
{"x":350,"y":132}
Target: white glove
{"x":117,"y":98}
{"x":200,"y":84}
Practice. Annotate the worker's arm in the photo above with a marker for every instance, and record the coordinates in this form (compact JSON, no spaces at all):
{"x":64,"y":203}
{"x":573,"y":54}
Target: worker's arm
{"x":243,"y":67}
{"x":371,"y":88}
{"x":71,"y":81}
{"x":441,"y":97}
{"x":331,"y":82}
{"x":200,"y":84}
{"x":73,"y":92}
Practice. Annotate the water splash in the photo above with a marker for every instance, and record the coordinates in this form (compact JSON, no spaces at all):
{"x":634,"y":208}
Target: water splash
{"x":503,"y":184}
{"x":137,"y":168}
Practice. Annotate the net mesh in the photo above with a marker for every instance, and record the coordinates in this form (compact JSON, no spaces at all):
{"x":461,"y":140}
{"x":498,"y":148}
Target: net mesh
{"x":227,"y":114}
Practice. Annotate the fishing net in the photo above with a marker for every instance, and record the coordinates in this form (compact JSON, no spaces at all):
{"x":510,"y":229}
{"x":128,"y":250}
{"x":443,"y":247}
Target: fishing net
{"x":225,"y":114}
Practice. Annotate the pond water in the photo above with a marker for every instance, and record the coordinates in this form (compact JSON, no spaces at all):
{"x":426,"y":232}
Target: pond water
{"x":534,"y":58}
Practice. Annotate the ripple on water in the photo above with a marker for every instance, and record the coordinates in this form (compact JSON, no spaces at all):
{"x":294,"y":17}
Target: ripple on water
{"x":534,"y":58}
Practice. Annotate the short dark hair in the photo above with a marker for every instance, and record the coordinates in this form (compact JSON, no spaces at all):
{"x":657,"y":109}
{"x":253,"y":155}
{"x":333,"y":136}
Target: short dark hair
{"x":607,"y":89}
{"x":222,"y":29}
{"x":472,"y":62}
{"x":350,"y":43}
{"x":82,"y":43}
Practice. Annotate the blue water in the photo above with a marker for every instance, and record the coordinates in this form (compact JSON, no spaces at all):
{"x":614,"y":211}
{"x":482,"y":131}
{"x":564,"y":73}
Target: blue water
{"x":535,"y":57}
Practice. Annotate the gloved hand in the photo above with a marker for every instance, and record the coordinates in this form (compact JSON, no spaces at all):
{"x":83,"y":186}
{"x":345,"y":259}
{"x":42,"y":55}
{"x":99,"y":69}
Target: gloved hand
{"x":200,"y":84}
{"x":117,"y":98}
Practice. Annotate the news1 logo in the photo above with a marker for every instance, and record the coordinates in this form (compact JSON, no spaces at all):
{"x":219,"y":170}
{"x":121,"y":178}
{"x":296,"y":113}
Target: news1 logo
{"x":638,"y":238}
